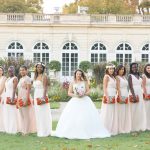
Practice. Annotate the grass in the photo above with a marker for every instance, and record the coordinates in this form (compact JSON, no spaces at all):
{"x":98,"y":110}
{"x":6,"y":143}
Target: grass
{"x":56,"y":105}
{"x":134,"y":141}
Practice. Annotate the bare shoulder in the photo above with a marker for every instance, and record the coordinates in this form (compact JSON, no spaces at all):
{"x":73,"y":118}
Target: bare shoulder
{"x":117,"y":78}
{"x":106,"y":77}
{"x":143,"y":76}
{"x":45,"y":77}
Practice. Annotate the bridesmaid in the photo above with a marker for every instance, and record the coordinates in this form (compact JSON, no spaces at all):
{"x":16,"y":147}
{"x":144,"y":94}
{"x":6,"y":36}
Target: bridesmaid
{"x":109,"y":110}
{"x":137,"y":108}
{"x":42,"y":112}
{"x":2,"y":85}
{"x":26,"y":110}
{"x":10,"y":111}
{"x":124,"y":119}
{"x":146,"y":91}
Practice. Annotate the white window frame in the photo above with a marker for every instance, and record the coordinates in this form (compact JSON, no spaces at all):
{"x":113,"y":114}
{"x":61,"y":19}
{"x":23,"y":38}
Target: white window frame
{"x":98,"y":51}
{"x":15,"y":50}
{"x":70,"y":52}
{"x":124,"y":52}
{"x":146,"y":52}
{"x":40,"y":51}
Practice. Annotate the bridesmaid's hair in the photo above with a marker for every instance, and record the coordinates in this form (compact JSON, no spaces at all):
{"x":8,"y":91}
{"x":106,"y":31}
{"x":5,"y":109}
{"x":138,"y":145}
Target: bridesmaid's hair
{"x":119,"y":67}
{"x":107,"y":68}
{"x":24,"y":66}
{"x":131,"y":72}
{"x":43,"y":69}
{"x":145,"y":72}
{"x":12,"y":67}
{"x":2,"y":69}
{"x":82,"y":74}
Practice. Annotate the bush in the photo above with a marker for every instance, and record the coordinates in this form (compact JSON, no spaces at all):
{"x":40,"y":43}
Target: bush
{"x":55,"y":65}
{"x":58,"y":93}
{"x":85,"y":65}
{"x":96,"y":94}
{"x":93,"y":83}
{"x":99,"y":72}
{"x":17,"y":63}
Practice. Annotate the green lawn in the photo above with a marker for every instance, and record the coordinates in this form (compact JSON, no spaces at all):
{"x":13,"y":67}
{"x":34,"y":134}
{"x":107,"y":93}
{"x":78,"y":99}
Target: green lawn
{"x":56,"y":105}
{"x":140,"y":141}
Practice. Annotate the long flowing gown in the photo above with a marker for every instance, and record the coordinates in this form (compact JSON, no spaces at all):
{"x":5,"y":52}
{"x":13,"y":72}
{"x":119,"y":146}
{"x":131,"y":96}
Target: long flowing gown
{"x":10,"y":111}
{"x":147,"y":104}
{"x":2,"y":80}
{"x":80,"y":119}
{"x":124,"y":117}
{"x":27,"y":122}
{"x":42,"y":112}
{"x":138,"y":113}
{"x":109,"y":111}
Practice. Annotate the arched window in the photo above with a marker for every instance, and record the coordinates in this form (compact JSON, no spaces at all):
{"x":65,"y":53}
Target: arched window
{"x":69,"y":59}
{"x":98,"y":53}
{"x":145,"y":53}
{"x":41,"y":53}
{"x":124,"y":53}
{"x":15,"y":50}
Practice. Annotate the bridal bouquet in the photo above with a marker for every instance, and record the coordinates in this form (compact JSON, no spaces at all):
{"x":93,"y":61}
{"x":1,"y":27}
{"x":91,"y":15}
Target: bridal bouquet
{"x":80,"y":92}
{"x":10,"y":101}
{"x":24,"y":103}
{"x":41,"y":101}
{"x":131,"y":99}
{"x":122,"y":100}
{"x":146,"y":97}
{"x":111,"y":99}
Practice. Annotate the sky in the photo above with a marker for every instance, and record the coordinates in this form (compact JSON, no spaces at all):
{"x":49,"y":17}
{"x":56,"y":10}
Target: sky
{"x":49,"y":5}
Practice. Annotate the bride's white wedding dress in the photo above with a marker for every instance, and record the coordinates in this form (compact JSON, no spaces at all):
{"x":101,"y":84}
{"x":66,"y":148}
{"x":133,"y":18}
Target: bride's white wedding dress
{"x":80,"y":119}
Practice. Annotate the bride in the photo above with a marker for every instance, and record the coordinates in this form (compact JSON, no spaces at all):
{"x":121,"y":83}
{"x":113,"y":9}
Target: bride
{"x":80,"y":119}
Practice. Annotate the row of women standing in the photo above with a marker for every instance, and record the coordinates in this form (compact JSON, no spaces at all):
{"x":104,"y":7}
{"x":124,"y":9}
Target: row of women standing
{"x":17,"y":112}
{"x":124,"y":110}
{"x":79,"y":120}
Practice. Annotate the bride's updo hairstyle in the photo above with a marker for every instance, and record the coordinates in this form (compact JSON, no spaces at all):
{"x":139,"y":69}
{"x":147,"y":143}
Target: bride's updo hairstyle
{"x":83,"y":76}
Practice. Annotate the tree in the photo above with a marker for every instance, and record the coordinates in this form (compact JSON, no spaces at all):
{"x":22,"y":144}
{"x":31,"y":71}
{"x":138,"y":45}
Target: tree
{"x":20,"y":6}
{"x":103,"y":6}
{"x":145,"y":4}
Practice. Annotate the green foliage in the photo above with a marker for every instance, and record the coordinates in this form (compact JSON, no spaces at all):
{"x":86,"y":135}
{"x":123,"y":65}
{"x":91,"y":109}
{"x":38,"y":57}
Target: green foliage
{"x":57,"y":92}
{"x":55,"y":65}
{"x":93,"y":83}
{"x":20,"y":6}
{"x":96,"y":94}
{"x":99,"y":72}
{"x":102,"y":6}
{"x":7,"y":62}
{"x":85,"y":65}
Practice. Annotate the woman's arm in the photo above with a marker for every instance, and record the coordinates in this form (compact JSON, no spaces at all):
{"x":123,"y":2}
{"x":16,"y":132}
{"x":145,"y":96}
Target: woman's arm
{"x":3,"y":85}
{"x":15,"y":82}
{"x":28,"y":87}
{"x":118,"y":86}
{"x":105,"y":84}
{"x":87,"y":88}
{"x":70,"y":90}
{"x":131,"y":87}
{"x":45,"y":85}
{"x":144,"y":85}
